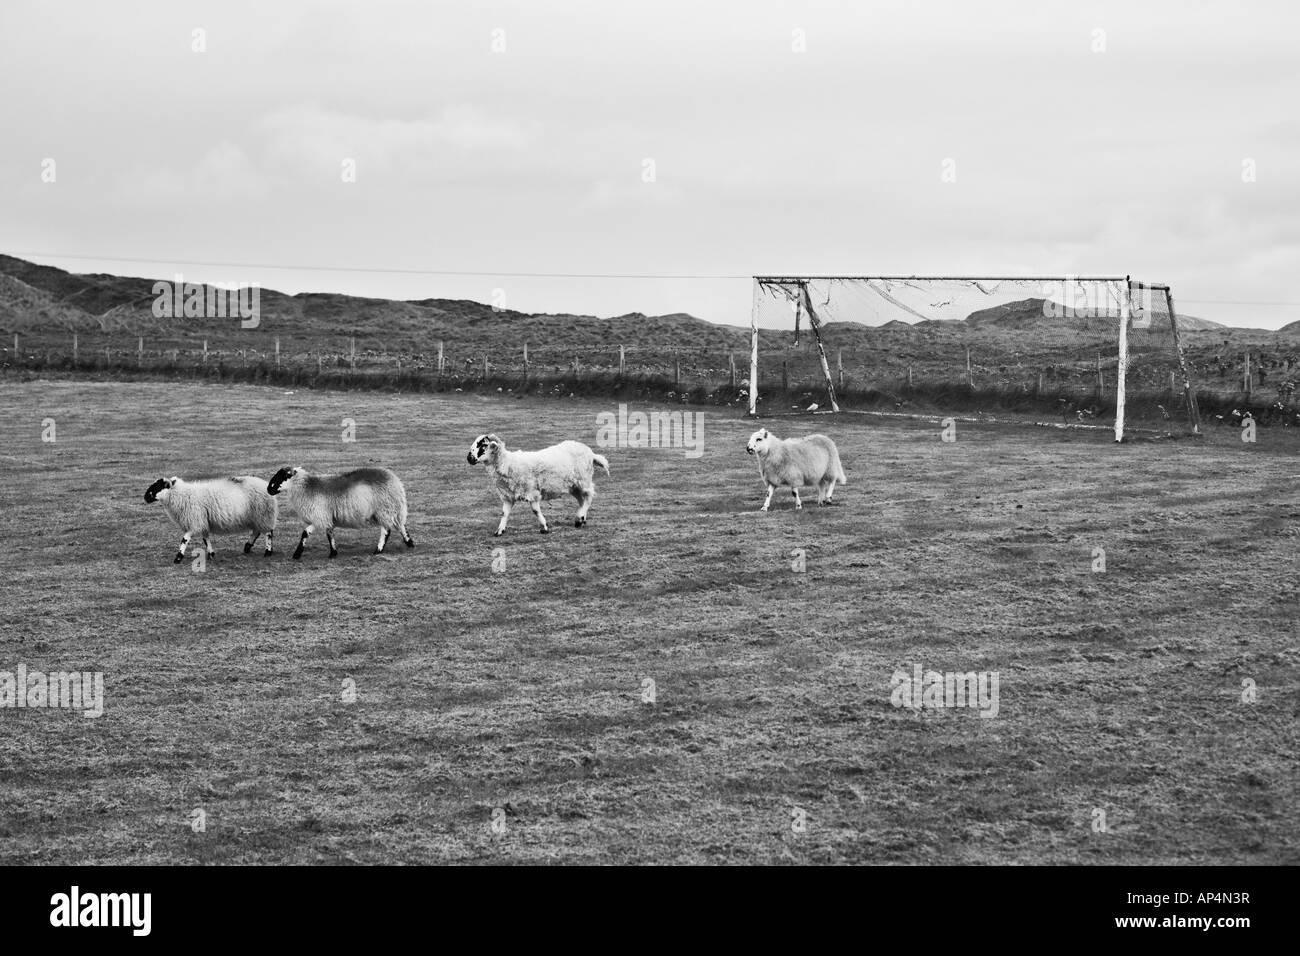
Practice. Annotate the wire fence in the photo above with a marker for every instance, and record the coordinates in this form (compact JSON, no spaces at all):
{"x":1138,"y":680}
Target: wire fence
{"x":1078,"y":379}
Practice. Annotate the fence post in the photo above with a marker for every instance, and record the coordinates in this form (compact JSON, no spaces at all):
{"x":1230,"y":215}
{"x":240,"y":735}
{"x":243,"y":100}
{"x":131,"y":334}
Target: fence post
{"x":909,"y":375}
{"x":1101,"y":379}
{"x":353,"y":352}
{"x":970,"y":377}
{"x":440,"y":358}
{"x":839,"y":365}
{"x":677,"y":371}
{"x":15,"y":346}
{"x":1172,"y":389}
{"x":621,"y":363}
{"x":139,"y":352}
{"x":320,"y":363}
{"x":205,"y":351}
{"x":1247,"y":384}
{"x":1040,"y":383}
{"x":74,"y":348}
{"x":485,"y":365}
{"x":731,"y":363}
{"x":525,"y":355}
{"x":277,"y":351}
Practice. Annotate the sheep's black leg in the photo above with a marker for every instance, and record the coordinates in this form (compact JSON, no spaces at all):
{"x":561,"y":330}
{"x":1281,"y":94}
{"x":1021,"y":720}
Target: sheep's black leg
{"x":207,"y":546}
{"x":248,"y":545}
{"x":297,"y":552}
{"x":267,"y":552}
{"x":185,"y":543}
{"x":406,"y":537}
{"x":329,"y":536}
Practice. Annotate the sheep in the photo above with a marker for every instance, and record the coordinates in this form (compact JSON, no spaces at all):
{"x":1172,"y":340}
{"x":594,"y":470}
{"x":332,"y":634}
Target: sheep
{"x":216,"y":505}
{"x":355,"y":499}
{"x":796,"y":462}
{"x":534,"y":476}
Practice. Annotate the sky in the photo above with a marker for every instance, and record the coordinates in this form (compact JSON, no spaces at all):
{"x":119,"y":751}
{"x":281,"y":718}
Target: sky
{"x":459,"y":150}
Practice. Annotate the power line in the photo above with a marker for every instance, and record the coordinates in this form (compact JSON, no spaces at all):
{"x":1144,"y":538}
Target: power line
{"x":452,"y":273}
{"x":362,"y":269}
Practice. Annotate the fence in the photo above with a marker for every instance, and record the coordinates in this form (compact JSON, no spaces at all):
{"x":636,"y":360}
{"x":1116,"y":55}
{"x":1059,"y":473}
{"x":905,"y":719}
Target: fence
{"x":788,"y":374}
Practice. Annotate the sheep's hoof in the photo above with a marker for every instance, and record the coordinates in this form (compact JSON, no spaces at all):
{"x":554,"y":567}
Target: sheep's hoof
{"x":267,"y":553}
{"x":178,"y":559}
{"x":579,"y":522}
{"x":410,"y":542}
{"x":248,"y":547}
{"x":334,"y":554}
{"x":297,"y":555}
{"x":545,"y":530}
{"x":497,"y":534}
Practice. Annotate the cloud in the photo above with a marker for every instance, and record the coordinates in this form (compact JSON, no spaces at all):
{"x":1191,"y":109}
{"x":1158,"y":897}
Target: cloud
{"x":611,"y":193}
{"x":221,"y":174}
{"x":312,"y":138}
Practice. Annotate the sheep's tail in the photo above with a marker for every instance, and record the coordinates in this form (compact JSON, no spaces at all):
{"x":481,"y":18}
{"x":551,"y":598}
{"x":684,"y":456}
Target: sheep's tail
{"x":602,"y":461}
{"x":839,"y":468}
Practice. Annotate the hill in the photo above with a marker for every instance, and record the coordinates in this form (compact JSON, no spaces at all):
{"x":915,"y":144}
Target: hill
{"x":45,"y":305}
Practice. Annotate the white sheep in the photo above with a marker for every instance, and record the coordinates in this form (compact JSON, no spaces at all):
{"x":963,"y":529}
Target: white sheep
{"x":355,"y":499}
{"x":216,"y":506}
{"x":534,"y":476}
{"x":796,"y":463}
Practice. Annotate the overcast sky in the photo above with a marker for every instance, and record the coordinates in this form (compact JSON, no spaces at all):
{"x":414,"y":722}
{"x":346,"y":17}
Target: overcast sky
{"x":1084,"y":138}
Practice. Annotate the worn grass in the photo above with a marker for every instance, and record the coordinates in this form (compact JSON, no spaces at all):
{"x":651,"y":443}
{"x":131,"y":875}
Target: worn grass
{"x":521,"y":691}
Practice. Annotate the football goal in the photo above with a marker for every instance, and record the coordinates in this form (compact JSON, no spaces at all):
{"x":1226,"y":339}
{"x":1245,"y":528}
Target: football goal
{"x":1091,"y":351}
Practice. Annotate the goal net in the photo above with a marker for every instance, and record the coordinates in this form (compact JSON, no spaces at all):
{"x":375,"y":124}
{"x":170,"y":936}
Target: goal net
{"x":1099,"y":351}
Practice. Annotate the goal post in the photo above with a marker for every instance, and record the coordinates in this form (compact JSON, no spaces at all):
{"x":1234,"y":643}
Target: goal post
{"x":1085,"y":347}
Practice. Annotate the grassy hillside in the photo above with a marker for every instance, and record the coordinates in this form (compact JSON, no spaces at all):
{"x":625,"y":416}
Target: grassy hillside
{"x":1014,"y":349}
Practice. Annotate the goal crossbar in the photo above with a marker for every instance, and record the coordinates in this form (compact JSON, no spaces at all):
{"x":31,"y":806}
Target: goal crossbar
{"x":795,"y":287}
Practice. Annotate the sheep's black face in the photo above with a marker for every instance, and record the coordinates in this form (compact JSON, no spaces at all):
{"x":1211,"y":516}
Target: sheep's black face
{"x":151,"y":494}
{"x":482,"y":446}
{"x":280,"y":477}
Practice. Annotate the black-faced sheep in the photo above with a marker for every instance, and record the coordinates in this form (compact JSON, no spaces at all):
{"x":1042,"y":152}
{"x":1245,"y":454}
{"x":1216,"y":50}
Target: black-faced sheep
{"x":536,"y":476}
{"x":216,"y":506}
{"x":355,"y":499}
